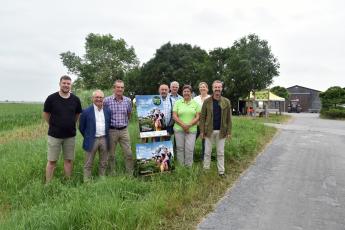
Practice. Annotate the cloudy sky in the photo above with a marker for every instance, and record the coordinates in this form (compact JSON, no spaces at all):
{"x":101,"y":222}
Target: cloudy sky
{"x":306,"y":36}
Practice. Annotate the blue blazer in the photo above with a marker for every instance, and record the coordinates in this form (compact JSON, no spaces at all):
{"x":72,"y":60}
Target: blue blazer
{"x":87,"y":126}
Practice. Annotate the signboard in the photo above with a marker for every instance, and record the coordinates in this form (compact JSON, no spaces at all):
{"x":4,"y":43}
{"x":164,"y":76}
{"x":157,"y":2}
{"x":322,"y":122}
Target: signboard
{"x":150,"y":116}
{"x":154,"y":157}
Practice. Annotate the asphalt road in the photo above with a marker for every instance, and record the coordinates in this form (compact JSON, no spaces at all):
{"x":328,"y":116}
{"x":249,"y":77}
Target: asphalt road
{"x":297,"y":183}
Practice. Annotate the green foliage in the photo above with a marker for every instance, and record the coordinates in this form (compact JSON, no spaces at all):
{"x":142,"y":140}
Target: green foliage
{"x":280,"y":91}
{"x":333,"y":113}
{"x":133,"y":82}
{"x":85,"y":96}
{"x":248,"y":65}
{"x":15,"y":115}
{"x":332,"y":97}
{"x":120,"y":202}
{"x":106,"y":59}
{"x":177,"y":62}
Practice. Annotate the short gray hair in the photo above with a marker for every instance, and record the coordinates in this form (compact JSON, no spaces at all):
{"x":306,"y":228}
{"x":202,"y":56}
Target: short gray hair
{"x":174,"y":83}
{"x":97,"y":91}
{"x":217,"y":81}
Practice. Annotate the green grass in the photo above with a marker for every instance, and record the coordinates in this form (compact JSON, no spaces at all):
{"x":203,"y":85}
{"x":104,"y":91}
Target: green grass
{"x":15,"y":115}
{"x":176,"y":200}
{"x":272,"y":118}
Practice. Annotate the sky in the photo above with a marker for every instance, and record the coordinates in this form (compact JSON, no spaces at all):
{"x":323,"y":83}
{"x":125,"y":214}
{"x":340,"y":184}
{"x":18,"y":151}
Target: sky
{"x":306,"y":36}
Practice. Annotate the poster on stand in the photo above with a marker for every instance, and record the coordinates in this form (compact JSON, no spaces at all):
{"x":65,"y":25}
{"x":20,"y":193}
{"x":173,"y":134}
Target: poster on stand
{"x":150,"y":116}
{"x":154,"y":157}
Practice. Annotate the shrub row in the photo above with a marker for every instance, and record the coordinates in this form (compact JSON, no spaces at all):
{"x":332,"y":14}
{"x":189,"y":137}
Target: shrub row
{"x":334,"y":113}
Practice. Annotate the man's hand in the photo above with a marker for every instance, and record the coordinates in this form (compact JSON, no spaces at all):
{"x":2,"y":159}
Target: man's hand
{"x":202,"y":136}
{"x":228,"y":137}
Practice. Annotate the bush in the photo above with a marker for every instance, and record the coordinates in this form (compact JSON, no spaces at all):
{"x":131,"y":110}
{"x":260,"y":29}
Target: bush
{"x":335,"y":113}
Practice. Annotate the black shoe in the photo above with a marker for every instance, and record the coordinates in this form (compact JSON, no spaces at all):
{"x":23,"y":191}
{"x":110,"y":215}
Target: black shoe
{"x":222,"y":175}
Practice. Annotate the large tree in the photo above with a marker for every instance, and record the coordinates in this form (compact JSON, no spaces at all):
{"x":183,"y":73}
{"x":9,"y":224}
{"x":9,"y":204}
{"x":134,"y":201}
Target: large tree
{"x":280,"y":91}
{"x":332,"y":97}
{"x":248,"y":65}
{"x":106,"y":59}
{"x":178,"y":62}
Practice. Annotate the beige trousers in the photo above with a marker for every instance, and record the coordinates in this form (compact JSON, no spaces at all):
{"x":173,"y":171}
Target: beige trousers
{"x":100,"y":145}
{"x":121,"y":137}
{"x":220,"y":151}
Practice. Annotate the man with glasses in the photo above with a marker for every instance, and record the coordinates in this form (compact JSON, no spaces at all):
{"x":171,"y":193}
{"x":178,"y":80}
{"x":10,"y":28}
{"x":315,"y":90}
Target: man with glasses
{"x":94,"y":126}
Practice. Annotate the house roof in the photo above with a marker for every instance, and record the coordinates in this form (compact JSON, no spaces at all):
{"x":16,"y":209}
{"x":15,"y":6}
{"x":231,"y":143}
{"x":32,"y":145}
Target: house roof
{"x":302,"y":87}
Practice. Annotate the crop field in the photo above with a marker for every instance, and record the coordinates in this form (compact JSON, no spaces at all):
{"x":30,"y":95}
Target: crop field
{"x":176,"y":200}
{"x":15,"y":115}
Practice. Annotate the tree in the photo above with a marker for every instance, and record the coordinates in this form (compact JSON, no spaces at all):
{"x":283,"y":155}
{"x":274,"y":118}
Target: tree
{"x":248,"y":65}
{"x":106,"y":59}
{"x":280,"y":91}
{"x":132,"y":81}
{"x":332,"y":97}
{"x":219,"y":58}
{"x":177,"y":62}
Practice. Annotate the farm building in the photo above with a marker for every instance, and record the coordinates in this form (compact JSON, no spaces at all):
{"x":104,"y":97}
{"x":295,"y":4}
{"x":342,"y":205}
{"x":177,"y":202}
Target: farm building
{"x":308,"y":98}
{"x":263,"y":99}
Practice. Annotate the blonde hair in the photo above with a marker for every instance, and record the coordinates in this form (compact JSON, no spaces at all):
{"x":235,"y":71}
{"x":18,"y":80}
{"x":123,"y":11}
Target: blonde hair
{"x":203,"y":83}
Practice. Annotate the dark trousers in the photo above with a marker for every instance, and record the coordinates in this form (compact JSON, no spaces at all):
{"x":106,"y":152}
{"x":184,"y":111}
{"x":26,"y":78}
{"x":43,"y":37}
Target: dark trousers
{"x":202,"y":144}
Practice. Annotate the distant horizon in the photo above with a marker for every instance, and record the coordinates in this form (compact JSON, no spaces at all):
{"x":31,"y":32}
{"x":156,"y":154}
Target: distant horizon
{"x":41,"y":102}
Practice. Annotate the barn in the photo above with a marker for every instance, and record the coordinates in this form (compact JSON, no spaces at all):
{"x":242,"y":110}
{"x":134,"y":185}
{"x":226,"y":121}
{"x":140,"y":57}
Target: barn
{"x":308,"y":98}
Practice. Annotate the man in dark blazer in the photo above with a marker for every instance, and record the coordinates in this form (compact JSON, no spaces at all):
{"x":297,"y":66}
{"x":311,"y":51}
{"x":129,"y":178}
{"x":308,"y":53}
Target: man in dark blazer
{"x":94,"y":126}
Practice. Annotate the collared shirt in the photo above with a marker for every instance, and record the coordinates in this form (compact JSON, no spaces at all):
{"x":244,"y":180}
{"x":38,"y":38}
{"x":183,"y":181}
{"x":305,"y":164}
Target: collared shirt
{"x":120,"y":109}
{"x":100,"y":122}
{"x":175,"y":98}
{"x":186,"y":111}
{"x":167,"y":109}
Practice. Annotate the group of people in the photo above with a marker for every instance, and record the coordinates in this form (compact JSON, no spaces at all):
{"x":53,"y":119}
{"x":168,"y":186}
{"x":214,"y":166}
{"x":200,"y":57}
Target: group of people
{"x":207,"y":116}
{"x":104,"y":124}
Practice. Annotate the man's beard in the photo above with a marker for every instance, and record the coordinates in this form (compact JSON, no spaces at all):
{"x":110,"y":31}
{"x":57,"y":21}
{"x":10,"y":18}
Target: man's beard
{"x":65,"y":90}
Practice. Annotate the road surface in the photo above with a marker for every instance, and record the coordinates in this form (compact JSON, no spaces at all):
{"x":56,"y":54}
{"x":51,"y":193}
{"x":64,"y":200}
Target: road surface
{"x":297,"y":183}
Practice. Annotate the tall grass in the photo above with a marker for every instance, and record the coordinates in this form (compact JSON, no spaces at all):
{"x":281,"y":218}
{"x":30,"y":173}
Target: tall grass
{"x":173,"y":200}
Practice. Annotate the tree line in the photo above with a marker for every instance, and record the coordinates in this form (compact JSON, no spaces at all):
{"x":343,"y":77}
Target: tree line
{"x":247,"y":65}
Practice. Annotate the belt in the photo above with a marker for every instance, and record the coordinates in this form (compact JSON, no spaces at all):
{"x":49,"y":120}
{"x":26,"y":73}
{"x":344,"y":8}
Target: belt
{"x":118,"y":128}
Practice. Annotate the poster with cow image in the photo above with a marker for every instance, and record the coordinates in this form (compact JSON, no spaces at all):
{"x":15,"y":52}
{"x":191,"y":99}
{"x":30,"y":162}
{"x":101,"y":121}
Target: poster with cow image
{"x":150,"y":116}
{"x":154,"y":157}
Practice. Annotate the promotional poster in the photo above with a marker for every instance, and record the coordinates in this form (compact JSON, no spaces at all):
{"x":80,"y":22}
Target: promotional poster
{"x":154,"y":157}
{"x":150,"y":116}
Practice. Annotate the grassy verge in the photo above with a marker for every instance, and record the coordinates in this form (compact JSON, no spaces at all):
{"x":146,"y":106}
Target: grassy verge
{"x":175,"y":200}
{"x":273,"y":118}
